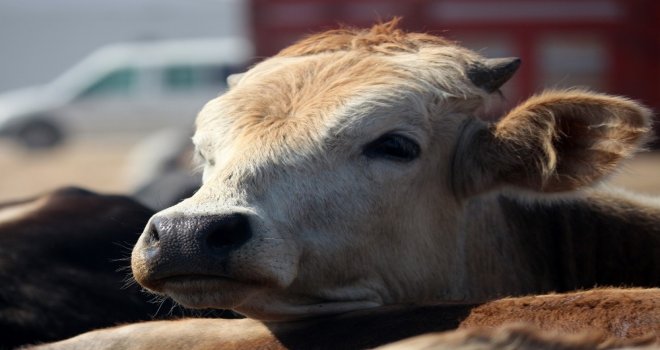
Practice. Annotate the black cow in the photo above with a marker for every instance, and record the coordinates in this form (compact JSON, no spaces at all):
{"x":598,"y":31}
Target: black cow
{"x":63,"y":266}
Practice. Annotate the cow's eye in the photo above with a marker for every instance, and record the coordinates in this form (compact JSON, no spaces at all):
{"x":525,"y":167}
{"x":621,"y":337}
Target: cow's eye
{"x":394,"y":147}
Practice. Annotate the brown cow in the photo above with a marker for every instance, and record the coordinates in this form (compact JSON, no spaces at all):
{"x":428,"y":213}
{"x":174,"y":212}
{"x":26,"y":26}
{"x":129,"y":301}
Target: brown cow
{"x":597,"y":318}
{"x":621,"y":313}
{"x":517,"y":337}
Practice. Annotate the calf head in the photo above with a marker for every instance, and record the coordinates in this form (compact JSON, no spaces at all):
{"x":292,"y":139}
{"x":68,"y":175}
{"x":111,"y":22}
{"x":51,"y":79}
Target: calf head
{"x":335,"y":174}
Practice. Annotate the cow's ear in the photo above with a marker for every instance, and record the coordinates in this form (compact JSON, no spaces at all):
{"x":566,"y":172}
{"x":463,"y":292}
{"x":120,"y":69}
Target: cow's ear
{"x":233,"y":79}
{"x":556,"y":141}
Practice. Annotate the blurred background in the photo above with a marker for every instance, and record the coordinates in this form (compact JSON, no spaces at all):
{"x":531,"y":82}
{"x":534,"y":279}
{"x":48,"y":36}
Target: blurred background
{"x":103,"y":94}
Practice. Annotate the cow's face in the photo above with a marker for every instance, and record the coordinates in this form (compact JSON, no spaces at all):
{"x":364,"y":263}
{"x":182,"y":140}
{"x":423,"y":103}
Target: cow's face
{"x":329,"y":185}
{"x":322,"y":179}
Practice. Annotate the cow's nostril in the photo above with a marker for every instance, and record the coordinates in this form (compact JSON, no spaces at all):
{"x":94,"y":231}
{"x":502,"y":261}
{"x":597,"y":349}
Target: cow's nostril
{"x":231,"y":230}
{"x":152,"y":232}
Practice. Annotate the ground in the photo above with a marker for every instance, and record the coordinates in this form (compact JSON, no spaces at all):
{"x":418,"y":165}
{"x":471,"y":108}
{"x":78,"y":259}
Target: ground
{"x":97,"y":163}
{"x":100,"y":163}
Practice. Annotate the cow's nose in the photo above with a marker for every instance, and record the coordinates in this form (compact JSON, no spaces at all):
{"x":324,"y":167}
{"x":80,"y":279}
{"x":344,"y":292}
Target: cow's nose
{"x":206,"y":234}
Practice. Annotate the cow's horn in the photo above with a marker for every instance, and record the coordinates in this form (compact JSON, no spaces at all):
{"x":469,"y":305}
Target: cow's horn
{"x":492,"y":73}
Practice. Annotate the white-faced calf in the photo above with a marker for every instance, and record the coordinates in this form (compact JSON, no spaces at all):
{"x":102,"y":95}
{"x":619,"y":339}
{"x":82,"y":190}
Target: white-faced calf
{"x":350,"y":172}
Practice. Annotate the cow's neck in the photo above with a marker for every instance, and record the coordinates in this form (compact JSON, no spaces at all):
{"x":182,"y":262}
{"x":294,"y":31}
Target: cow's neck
{"x":368,"y":328}
{"x":520,"y":246}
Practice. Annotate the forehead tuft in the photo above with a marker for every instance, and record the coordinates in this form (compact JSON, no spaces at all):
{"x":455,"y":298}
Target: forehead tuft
{"x":384,"y":38}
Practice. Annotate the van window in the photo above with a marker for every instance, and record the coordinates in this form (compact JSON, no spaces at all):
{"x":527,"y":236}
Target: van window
{"x":118,"y":82}
{"x":188,"y":77}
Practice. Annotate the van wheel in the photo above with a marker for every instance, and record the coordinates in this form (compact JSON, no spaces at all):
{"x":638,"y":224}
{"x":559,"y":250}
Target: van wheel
{"x":39,"y":134}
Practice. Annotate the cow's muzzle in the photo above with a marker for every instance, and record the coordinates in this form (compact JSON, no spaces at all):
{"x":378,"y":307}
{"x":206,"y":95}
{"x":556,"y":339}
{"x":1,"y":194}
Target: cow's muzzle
{"x":176,"y":247}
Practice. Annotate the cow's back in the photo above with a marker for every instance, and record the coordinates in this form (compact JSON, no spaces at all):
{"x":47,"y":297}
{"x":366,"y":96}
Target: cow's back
{"x":60,"y":261}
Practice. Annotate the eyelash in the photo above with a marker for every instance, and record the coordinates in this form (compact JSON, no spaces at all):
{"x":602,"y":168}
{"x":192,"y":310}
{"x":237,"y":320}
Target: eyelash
{"x":393,"y":147}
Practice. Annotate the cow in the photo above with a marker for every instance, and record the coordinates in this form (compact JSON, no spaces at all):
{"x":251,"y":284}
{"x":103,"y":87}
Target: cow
{"x":587,"y":319}
{"x":64,"y":266}
{"x":348,"y":172}
{"x":518,"y":337}
{"x":619,"y":313}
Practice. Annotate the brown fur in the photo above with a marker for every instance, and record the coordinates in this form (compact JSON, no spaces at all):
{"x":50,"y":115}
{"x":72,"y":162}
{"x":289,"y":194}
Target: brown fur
{"x":384,"y":38}
{"x":577,"y":136}
{"x":518,"y":337}
{"x":622,"y":313}
{"x":556,"y":141}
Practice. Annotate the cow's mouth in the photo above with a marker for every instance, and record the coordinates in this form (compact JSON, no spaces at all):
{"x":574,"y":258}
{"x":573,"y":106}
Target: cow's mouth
{"x":206,"y":291}
{"x":194,"y":282}
{"x":193,"y":278}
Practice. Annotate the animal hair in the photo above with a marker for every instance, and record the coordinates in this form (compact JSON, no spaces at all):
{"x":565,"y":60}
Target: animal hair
{"x":384,"y":38}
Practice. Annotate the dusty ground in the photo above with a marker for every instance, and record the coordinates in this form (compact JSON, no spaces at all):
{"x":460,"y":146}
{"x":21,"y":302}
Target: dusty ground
{"x":641,"y":174}
{"x":101,"y":164}
{"x":95,"y":163}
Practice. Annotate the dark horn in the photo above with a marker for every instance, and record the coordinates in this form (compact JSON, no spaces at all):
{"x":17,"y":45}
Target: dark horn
{"x":492,"y":73}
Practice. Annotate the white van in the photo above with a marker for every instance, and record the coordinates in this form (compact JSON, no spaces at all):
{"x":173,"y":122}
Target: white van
{"x":130,"y":87}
